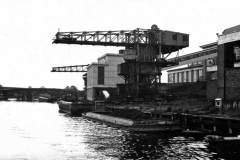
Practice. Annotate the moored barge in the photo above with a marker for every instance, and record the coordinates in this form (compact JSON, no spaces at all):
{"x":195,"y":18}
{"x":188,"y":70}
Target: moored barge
{"x":74,"y":108}
{"x":144,"y":126}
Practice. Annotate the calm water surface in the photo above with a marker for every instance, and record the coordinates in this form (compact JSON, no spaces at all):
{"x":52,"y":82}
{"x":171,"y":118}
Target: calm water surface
{"x":32,"y":131}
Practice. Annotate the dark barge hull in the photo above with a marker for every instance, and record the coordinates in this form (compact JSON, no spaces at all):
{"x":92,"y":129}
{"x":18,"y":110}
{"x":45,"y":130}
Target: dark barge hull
{"x":227,"y":147}
{"x":134,"y":126}
{"x":74,"y":108}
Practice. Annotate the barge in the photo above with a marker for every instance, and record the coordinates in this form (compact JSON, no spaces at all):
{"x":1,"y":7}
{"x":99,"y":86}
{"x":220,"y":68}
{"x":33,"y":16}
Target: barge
{"x":143,"y":126}
{"x":224,"y":144}
{"x":74,"y":108}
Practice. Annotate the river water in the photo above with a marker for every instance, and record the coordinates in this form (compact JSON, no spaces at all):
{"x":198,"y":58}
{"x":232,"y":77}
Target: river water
{"x":37,"y":131}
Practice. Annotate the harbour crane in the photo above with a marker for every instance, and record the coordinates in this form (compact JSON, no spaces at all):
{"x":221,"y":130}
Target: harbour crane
{"x":144,"y":55}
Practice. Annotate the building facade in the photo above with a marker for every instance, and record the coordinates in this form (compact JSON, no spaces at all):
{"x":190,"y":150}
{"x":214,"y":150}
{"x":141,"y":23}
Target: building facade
{"x":217,"y":63}
{"x":197,"y":65}
{"x":103,"y":76}
{"x":187,"y":74}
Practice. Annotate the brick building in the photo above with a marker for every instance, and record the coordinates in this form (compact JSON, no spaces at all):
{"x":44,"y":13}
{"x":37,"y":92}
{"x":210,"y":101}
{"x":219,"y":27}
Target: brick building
{"x":228,"y":81}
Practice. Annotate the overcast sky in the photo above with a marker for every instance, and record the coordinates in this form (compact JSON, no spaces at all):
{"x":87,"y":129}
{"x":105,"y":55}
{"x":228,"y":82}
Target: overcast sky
{"x":28,"y":26}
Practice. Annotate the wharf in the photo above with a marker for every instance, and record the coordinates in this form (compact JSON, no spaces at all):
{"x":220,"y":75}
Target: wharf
{"x":211,"y":123}
{"x":219,"y":124}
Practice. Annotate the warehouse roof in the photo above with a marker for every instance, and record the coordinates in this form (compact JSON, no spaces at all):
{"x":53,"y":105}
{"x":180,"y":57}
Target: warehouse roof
{"x":110,"y":54}
{"x":231,"y":30}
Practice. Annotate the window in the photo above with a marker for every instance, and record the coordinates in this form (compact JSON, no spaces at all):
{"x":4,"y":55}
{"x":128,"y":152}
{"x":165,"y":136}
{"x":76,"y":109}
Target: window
{"x":192,"y":76}
{"x":170,"y":78}
{"x":174,"y":78}
{"x":100,"y":74}
{"x":182,"y":75}
{"x":174,"y":36}
{"x":237,"y":53}
{"x":185,"y":38}
{"x":179,"y":77}
{"x":200,"y":74}
{"x":187,"y":76}
{"x":210,"y":62}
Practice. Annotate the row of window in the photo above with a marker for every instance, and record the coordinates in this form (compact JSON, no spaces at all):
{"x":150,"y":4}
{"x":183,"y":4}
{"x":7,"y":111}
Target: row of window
{"x":186,"y":76}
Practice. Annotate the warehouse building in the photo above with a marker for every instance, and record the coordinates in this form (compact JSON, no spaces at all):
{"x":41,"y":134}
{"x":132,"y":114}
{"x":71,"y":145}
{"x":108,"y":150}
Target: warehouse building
{"x":197,"y":65}
{"x":217,"y":64}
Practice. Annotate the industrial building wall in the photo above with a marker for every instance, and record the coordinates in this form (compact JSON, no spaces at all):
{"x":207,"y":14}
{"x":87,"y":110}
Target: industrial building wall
{"x":92,"y":75}
{"x":211,"y":89}
{"x":228,"y":74}
{"x":185,"y":90}
{"x":90,"y":94}
{"x":114,"y":60}
{"x":111,"y":74}
{"x":103,"y":75}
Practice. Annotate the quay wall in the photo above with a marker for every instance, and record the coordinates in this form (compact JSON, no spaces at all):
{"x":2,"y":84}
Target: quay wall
{"x":211,"y":124}
{"x":193,"y":90}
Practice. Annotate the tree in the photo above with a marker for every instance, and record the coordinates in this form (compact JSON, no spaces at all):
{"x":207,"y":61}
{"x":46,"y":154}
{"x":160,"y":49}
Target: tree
{"x":67,"y":87}
{"x":73,"y":88}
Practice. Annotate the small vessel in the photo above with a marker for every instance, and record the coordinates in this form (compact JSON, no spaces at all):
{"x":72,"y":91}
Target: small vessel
{"x":12,"y":99}
{"x":46,"y":98}
{"x":43,"y":99}
{"x":74,"y":108}
{"x":145,"y":126}
{"x":194,"y":133}
{"x":2,"y":97}
{"x":224,"y":144}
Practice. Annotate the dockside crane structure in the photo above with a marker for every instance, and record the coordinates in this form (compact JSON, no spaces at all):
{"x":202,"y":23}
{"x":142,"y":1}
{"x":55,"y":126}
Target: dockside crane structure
{"x":144,"y":54}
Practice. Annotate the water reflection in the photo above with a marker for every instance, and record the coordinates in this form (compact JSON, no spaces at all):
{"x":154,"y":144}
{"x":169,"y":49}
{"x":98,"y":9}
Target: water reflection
{"x":38,"y":131}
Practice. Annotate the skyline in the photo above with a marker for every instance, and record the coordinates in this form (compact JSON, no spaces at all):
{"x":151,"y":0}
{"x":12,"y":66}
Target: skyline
{"x":27,"y":53}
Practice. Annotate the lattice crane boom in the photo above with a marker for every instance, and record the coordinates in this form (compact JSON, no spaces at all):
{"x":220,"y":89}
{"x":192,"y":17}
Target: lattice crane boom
{"x":74,"y":68}
{"x":107,"y":38}
{"x":167,"y":41}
